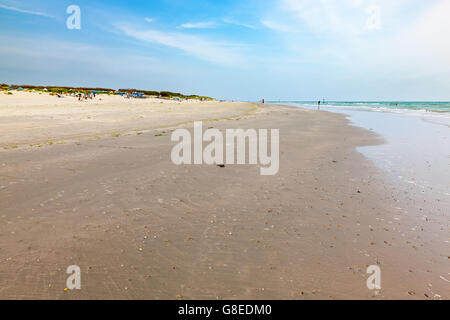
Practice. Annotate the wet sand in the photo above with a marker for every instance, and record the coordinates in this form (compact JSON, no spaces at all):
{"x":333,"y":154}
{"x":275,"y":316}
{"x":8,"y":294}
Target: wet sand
{"x":140,"y":227}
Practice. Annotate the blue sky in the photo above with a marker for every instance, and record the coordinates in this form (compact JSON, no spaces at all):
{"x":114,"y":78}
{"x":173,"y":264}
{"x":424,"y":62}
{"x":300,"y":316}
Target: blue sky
{"x":234,"y":49}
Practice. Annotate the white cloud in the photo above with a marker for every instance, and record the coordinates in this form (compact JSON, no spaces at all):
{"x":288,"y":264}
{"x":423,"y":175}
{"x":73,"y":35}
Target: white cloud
{"x":198,"y":25}
{"x":149,"y":20}
{"x":36,"y":13}
{"x":345,"y":17}
{"x":237,"y":23}
{"x":278,"y":26}
{"x":214,"y":52}
{"x":52,"y":55}
{"x":403,"y":42}
{"x":424,"y":43}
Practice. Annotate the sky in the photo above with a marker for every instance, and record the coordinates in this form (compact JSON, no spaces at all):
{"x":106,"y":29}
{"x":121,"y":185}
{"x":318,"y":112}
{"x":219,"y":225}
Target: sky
{"x":234,"y":49}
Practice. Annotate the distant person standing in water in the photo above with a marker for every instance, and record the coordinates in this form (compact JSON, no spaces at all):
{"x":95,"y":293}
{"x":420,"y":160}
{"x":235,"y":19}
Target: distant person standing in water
{"x":318,"y":105}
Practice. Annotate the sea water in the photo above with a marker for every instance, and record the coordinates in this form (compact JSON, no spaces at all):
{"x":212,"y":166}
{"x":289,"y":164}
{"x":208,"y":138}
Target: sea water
{"x":417,"y":149}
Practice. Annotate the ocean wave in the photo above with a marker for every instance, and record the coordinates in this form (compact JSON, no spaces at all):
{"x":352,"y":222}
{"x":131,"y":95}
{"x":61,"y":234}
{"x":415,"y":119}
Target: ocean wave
{"x":438,"y":112}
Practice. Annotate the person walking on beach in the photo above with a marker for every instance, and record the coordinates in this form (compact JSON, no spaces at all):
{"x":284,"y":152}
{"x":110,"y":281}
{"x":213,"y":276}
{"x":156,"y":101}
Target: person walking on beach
{"x":318,"y":105}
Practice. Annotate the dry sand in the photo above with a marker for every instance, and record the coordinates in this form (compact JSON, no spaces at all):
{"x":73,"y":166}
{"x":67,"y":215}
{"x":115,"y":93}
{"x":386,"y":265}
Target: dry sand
{"x":140,"y":227}
{"x":31,"y":118}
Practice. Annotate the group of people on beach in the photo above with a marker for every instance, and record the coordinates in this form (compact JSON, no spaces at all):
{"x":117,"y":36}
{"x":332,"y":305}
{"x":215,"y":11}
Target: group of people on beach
{"x":86,"y":96}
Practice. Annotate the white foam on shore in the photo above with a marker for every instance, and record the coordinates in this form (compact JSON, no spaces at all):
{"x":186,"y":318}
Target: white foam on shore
{"x":432,"y":115}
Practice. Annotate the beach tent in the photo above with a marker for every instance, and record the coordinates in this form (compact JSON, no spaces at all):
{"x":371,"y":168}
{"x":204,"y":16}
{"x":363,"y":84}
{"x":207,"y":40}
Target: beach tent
{"x":20,"y":88}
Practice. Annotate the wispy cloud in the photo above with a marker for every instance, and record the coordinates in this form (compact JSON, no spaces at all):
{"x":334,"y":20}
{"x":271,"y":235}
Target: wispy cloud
{"x":97,"y":65}
{"x":278,"y":26}
{"x":347,"y":18}
{"x":36,"y":13}
{"x":365,"y":37}
{"x":198,"y":25}
{"x":201,"y":48}
{"x":149,"y":20}
{"x":237,"y":23}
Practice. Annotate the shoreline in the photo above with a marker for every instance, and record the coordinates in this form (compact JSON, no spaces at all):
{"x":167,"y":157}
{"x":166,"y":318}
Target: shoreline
{"x":142,"y":228}
{"x":415,"y":150}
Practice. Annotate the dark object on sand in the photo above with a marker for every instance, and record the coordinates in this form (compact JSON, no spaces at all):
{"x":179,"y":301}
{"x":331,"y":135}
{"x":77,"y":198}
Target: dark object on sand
{"x":221,"y":165}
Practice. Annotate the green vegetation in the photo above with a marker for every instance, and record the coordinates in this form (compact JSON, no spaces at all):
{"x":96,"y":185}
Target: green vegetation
{"x":11,"y":147}
{"x":161,"y":134}
{"x":54,"y":90}
{"x":61,"y":89}
{"x":146,"y":92}
{"x":166,"y":94}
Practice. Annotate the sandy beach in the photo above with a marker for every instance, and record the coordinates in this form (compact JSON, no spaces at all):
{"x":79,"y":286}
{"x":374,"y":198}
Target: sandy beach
{"x":92,"y":184}
{"x":31,"y":118}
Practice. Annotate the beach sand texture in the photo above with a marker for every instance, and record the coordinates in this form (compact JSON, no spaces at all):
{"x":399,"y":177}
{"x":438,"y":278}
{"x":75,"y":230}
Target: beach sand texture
{"x":41,"y":118}
{"x":97,"y":189}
